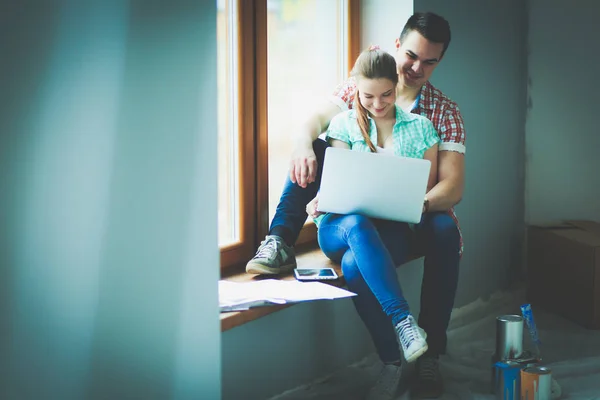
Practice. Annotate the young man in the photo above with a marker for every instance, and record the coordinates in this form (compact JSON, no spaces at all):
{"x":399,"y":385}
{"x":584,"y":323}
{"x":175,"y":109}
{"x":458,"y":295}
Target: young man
{"x":419,"y":49}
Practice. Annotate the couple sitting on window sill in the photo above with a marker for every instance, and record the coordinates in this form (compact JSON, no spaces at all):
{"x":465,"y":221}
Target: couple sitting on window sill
{"x":386,"y":104}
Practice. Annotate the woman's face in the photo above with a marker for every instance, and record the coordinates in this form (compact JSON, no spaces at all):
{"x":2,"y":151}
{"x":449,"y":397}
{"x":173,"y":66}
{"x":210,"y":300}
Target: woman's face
{"x":377,"y":96}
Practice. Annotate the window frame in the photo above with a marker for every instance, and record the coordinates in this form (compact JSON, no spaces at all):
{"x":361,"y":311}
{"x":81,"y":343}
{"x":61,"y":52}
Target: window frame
{"x":231,"y":254}
{"x":253,"y":128}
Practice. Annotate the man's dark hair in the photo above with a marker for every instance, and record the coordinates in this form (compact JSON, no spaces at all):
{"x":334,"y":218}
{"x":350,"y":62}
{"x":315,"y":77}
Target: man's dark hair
{"x":431,"y":26}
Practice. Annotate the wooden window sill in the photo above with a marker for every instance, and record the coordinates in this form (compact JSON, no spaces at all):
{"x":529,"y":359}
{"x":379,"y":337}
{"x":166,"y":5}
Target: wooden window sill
{"x":311,"y":257}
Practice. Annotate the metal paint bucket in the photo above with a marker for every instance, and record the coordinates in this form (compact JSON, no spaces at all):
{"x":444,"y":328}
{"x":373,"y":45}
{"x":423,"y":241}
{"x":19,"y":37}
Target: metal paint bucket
{"x":526,"y":360}
{"x":508,"y":379}
{"x":509,"y":337}
{"x":536,"y":383}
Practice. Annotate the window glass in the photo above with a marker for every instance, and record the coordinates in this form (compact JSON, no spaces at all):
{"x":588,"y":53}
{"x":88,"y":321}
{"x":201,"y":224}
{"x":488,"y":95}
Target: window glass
{"x":228,"y":136}
{"x":307,"y":45}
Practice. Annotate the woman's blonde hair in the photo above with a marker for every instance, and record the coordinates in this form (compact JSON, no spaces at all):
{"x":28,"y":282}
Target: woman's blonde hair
{"x":372,"y":63}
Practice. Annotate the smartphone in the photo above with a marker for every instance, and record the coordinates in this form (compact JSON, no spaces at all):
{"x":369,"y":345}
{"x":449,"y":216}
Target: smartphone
{"x":315,"y":274}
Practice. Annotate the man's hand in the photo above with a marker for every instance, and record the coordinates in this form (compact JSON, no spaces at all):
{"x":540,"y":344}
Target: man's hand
{"x":303,"y":167}
{"x":312,"y":208}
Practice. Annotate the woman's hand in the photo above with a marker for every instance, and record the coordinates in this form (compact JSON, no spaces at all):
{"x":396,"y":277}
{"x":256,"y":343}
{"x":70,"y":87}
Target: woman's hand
{"x":312,"y":208}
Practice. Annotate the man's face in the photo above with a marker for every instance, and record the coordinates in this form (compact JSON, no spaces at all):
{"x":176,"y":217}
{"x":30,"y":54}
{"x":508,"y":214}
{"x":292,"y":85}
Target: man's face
{"x":416,"y":58}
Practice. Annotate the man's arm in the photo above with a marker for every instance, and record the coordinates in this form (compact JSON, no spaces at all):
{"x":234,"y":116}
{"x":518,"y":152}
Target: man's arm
{"x":451,"y":178}
{"x":313,"y":206}
{"x":432,"y":155}
{"x":303,"y":166}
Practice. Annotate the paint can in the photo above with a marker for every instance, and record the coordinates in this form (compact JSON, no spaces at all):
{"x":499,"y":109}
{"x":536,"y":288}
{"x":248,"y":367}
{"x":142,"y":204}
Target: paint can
{"x":493,"y":369}
{"x":509,"y":337}
{"x":527,"y":359}
{"x":536,"y":383}
{"x":507,"y":379}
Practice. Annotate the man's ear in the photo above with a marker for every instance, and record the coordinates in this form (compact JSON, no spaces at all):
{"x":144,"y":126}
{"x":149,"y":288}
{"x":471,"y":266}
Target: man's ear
{"x":397,"y":43}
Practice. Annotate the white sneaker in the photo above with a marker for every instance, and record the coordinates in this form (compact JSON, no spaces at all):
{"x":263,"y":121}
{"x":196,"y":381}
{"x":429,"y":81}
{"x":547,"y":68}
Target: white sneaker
{"x":412,"y":338}
{"x":386,"y":386}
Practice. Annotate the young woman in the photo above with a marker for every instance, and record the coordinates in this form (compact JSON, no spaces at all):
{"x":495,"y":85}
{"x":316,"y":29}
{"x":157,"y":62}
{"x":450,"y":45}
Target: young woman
{"x":369,"y":249}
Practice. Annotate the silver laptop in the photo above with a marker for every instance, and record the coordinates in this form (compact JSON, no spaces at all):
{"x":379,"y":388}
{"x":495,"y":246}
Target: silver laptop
{"x":376,"y":185}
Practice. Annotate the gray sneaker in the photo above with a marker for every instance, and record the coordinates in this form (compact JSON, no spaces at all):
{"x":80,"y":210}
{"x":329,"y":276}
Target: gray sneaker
{"x":273,"y":257}
{"x":387,"y":383}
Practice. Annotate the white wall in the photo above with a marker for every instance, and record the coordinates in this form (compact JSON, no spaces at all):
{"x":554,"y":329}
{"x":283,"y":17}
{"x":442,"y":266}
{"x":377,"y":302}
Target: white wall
{"x":294,"y":346}
{"x":261,"y":358}
{"x":484,"y":71}
{"x":382,"y":21}
{"x":108,"y":201}
{"x":563,"y":136}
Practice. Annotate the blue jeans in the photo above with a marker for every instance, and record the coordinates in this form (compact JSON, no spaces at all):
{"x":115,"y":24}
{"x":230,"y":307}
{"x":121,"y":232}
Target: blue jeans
{"x":436,"y":237}
{"x":357,"y":242}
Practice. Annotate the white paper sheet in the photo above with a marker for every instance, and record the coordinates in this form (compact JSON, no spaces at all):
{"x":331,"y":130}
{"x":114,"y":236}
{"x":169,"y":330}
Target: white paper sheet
{"x":235,"y":296}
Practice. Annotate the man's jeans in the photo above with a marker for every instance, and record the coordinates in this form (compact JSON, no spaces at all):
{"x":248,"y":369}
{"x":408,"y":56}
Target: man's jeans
{"x":436,"y":236}
{"x":290,"y":214}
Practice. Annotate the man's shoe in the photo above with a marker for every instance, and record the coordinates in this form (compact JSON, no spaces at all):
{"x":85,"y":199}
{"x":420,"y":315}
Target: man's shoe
{"x":386,"y":386}
{"x":273,"y":257}
{"x":412,"y":338}
{"x":428,"y":383}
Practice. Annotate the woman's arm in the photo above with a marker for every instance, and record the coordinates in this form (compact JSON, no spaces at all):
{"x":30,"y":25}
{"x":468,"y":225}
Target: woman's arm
{"x":338,"y":143}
